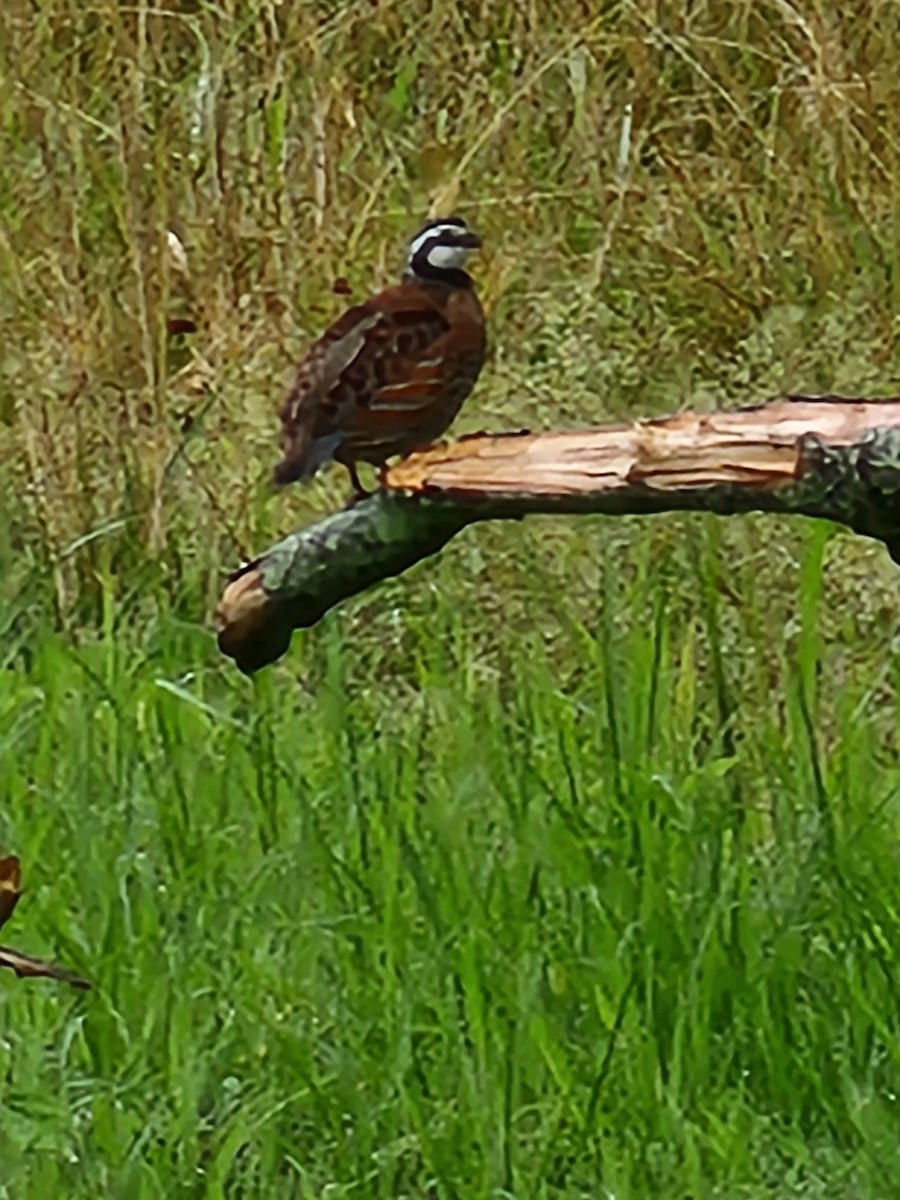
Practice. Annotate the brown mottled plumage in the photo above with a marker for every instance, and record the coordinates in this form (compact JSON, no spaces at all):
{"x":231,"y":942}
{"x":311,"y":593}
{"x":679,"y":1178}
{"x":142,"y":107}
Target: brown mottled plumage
{"x":390,"y":375}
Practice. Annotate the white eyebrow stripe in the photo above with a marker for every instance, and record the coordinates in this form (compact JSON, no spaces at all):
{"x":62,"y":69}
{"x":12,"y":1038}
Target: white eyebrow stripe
{"x":430,"y":362}
{"x":433,"y":234}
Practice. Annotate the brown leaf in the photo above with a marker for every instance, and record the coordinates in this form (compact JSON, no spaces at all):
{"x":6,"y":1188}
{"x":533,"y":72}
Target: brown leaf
{"x":274,"y":304}
{"x":176,"y":325}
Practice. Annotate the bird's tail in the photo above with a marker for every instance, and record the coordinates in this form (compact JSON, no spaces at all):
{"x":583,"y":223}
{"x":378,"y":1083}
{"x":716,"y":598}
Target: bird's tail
{"x":302,"y":452}
{"x":303,"y":455}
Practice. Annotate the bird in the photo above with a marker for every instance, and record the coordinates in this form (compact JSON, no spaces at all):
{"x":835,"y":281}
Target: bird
{"x":391,"y":374}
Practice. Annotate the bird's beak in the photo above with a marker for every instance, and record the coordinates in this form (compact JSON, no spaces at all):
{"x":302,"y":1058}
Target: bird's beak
{"x":469,"y":240}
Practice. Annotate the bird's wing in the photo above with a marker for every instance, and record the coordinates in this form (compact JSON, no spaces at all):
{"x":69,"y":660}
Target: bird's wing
{"x":373,"y":373}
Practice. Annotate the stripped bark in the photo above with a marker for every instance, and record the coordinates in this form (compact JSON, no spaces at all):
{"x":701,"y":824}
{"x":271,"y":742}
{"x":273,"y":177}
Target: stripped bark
{"x":816,"y":456}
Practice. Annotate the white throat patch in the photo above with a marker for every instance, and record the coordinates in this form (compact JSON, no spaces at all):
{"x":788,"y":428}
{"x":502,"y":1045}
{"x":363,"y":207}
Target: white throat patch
{"x":447,"y":258}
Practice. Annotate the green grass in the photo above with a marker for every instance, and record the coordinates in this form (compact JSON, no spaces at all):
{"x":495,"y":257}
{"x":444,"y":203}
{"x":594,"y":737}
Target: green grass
{"x":476,"y":927}
{"x":564,"y":866}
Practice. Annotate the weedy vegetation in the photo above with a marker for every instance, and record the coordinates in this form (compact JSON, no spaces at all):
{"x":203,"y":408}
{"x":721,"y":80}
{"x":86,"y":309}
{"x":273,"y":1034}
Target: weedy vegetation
{"x":567,"y":865}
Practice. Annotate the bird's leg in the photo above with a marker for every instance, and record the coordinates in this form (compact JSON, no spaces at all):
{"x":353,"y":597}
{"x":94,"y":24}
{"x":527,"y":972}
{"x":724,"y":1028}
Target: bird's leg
{"x":354,"y":479}
{"x":359,"y":492}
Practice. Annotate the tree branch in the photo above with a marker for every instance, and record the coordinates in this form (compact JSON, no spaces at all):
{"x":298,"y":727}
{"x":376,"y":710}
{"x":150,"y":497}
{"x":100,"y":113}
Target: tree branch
{"x":816,"y":456}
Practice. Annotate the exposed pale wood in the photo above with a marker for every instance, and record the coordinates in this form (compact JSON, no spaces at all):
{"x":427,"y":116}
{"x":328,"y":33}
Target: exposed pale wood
{"x":818,"y":456}
{"x":751,"y":447}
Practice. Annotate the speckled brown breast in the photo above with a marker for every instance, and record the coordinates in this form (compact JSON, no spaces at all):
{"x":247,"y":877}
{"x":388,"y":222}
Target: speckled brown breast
{"x":388,"y":377}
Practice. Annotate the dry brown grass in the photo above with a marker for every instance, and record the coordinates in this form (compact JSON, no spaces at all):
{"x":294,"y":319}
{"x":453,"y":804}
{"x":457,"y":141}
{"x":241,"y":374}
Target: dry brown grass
{"x":736,"y":233}
{"x":566,"y":864}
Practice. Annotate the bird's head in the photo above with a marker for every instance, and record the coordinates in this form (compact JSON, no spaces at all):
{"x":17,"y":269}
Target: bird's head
{"x":440,"y":250}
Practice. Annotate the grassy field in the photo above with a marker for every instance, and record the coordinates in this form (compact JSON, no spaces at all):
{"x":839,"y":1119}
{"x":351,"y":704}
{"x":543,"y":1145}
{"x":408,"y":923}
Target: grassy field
{"x":567,"y":865}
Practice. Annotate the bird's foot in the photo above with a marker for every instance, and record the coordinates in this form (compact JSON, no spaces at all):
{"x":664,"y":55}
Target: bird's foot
{"x":356,"y":497}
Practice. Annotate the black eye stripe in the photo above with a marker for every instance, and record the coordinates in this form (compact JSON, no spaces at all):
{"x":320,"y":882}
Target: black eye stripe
{"x":439,"y":240}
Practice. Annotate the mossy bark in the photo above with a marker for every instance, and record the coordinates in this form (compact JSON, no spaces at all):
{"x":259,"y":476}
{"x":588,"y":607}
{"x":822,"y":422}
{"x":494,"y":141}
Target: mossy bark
{"x":831,"y":457}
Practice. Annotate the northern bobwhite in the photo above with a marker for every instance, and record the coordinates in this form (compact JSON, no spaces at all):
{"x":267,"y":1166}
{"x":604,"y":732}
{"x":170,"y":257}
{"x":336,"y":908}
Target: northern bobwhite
{"x":390,"y":375}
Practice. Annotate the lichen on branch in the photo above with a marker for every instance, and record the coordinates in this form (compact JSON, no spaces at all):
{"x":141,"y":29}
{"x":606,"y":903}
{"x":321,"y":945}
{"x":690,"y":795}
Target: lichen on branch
{"x":814,"y":456}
